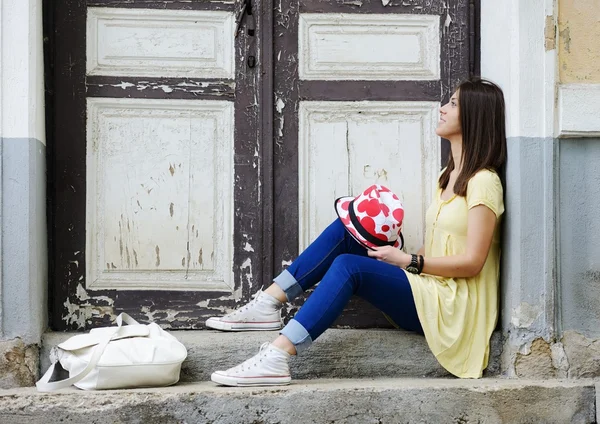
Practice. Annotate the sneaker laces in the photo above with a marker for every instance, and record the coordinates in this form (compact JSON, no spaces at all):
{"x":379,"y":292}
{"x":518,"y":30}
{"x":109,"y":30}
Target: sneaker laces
{"x":245,"y":307}
{"x":254,"y":361}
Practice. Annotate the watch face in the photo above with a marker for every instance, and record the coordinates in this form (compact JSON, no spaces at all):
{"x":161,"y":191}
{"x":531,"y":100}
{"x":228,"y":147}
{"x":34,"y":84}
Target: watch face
{"x":412,"y":269}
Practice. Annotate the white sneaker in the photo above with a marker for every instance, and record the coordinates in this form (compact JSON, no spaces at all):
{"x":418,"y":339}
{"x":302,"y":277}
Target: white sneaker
{"x":269,"y":367}
{"x":261,"y":313}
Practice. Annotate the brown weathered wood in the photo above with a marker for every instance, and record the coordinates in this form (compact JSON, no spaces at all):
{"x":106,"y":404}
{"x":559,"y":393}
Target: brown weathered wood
{"x":67,"y":148}
{"x":267,"y":141}
{"x":285,"y":166}
{"x":248,"y":218}
{"x":429,"y":7}
{"x":160,"y":88}
{"x":370,"y":90}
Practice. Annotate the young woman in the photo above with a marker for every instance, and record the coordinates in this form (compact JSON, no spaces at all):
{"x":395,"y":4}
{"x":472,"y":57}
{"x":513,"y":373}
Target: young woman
{"x":447,"y":291}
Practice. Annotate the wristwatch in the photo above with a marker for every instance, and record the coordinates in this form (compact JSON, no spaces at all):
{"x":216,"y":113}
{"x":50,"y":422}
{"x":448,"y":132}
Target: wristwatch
{"x":413,"y":267}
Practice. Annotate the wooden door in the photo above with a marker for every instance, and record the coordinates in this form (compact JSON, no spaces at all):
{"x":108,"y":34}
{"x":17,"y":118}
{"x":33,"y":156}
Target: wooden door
{"x":154,"y":160}
{"x":357,"y":87}
{"x":188,"y":166}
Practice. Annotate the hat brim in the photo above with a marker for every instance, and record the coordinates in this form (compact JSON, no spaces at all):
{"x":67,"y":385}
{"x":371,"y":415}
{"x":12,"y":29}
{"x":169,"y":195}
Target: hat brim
{"x":341,"y":209}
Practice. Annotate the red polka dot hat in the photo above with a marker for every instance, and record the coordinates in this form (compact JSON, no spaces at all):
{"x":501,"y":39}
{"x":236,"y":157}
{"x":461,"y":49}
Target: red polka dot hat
{"x":373,"y":218}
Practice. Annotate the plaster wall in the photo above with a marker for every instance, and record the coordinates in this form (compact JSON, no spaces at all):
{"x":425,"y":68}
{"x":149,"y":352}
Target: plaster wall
{"x":528,"y":262}
{"x":579,"y":226}
{"x":579,"y":41}
{"x":24,"y":263}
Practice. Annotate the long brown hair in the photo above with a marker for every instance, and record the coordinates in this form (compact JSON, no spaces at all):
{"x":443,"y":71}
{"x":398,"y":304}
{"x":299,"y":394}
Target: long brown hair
{"x":481,"y":110}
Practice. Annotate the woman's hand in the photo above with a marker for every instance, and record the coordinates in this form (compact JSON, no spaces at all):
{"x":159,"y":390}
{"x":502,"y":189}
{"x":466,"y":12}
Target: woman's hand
{"x":391,"y":255}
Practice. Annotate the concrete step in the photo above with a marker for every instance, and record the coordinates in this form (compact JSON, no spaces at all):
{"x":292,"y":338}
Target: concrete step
{"x":316,"y":401}
{"x":338,"y":353}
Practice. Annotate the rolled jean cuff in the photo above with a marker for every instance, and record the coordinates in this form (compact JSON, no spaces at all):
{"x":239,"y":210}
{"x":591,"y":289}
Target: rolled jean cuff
{"x":297,"y":334}
{"x":288,"y":284}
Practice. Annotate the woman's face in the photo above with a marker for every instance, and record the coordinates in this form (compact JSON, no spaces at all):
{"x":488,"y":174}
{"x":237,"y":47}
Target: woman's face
{"x":449,"y":124}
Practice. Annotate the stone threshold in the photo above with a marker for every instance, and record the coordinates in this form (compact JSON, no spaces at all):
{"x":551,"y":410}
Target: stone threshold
{"x":487,"y":400}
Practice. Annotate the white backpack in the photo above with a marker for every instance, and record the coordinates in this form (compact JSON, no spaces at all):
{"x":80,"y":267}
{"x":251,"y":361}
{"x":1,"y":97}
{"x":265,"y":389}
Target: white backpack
{"x":134,"y":355}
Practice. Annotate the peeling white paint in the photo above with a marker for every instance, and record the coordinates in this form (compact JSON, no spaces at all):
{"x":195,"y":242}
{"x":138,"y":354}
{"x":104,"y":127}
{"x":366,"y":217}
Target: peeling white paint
{"x":207,"y":303}
{"x":281,"y":123}
{"x":237,"y":293}
{"x":248,"y":248}
{"x":358,"y":3}
{"x":80,"y":314}
{"x":246,"y":270}
{"x":81,"y":293}
{"x":172,"y":315}
{"x":124,"y":85}
{"x":286,"y":263}
{"x":74,"y":315}
{"x":149,"y":314}
{"x":448,"y":21}
{"x":166,"y":88}
{"x":204,"y":303}
{"x":279,"y":105}
{"x":385,"y":2}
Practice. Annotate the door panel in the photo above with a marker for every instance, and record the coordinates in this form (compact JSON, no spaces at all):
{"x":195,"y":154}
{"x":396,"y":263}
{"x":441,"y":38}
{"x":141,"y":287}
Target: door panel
{"x":336,"y":47}
{"x":358,"y":88}
{"x":158,"y":43}
{"x":346,"y":146}
{"x":158,"y":186}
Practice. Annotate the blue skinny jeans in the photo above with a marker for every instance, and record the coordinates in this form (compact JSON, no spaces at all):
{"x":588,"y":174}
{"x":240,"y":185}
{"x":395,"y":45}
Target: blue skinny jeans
{"x":343,"y":268}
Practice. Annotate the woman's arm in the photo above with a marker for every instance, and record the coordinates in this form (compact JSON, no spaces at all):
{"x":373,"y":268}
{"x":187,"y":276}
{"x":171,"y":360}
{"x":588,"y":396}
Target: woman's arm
{"x":480,"y":231}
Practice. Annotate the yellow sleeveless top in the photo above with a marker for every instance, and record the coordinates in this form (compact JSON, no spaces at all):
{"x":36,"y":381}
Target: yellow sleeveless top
{"x":458,"y":315}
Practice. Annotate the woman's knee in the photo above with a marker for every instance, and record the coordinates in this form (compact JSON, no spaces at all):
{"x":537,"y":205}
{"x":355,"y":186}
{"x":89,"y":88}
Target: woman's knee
{"x":344,"y":261}
{"x":345,"y":265}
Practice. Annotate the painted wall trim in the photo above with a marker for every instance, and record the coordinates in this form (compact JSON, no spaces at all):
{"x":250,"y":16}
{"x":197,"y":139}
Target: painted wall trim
{"x":22,"y":73}
{"x":515,"y":55}
{"x":578,"y":106}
